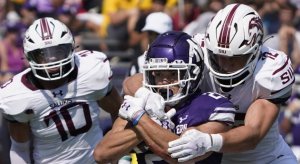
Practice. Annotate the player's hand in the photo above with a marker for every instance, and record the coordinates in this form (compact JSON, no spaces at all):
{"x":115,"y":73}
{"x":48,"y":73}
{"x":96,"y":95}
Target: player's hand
{"x":166,"y":124}
{"x":132,"y":109}
{"x":155,"y":104}
{"x":194,"y":143}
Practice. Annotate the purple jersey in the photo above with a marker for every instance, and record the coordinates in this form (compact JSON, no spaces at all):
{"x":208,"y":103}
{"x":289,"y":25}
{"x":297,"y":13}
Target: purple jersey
{"x":295,"y":131}
{"x":296,"y":128}
{"x":197,"y":110}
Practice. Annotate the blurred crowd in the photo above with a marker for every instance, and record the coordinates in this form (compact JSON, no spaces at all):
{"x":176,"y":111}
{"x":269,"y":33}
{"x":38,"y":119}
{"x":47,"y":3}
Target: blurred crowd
{"x":117,"y":24}
{"x":115,"y":27}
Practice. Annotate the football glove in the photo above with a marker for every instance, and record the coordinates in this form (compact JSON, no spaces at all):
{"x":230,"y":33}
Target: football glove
{"x":132,"y":109}
{"x":155,"y":104}
{"x":194,"y":143}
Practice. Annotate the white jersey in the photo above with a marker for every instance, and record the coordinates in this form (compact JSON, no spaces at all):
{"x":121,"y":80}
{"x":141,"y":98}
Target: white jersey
{"x":64,"y":121}
{"x":272,"y":80}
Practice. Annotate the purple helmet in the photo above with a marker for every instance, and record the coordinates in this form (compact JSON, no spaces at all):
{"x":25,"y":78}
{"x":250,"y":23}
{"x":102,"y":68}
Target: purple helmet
{"x":174,"y":51}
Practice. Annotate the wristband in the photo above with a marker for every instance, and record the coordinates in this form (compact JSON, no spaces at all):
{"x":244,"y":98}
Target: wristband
{"x":137,"y":116}
{"x":217,"y":142}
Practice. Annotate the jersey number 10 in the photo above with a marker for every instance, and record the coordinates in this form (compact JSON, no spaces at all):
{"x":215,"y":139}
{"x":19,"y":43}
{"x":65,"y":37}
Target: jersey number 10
{"x":54,"y":115}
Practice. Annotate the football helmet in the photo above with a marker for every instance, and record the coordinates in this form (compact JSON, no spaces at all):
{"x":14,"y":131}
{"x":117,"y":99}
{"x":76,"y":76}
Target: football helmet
{"x":48,"y":47}
{"x":233,"y":40}
{"x":177,"y":52}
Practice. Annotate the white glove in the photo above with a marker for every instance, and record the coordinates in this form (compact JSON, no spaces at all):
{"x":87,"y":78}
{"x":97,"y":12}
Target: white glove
{"x":194,"y":143}
{"x":166,"y":124}
{"x":155,"y":104}
{"x":132,"y":109}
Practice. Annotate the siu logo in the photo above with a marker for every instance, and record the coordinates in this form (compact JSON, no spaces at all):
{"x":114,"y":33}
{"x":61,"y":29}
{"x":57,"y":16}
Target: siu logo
{"x":222,"y":51}
{"x":59,"y":93}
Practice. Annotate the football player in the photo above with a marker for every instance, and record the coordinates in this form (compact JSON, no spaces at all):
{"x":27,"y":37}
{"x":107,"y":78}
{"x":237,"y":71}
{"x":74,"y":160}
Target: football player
{"x":55,"y":103}
{"x":173,"y":71}
{"x":254,"y":77}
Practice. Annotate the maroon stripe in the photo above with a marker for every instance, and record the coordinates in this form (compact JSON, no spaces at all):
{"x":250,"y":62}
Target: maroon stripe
{"x":202,"y":43}
{"x":42,"y":22}
{"x":27,"y":83}
{"x":225,"y":31}
{"x":274,"y":92}
{"x":281,"y":68}
{"x":45,"y":29}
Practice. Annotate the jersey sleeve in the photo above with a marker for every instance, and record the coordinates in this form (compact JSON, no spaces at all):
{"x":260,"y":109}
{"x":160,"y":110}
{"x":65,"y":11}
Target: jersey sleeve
{"x":223,"y":110}
{"x":15,"y":106}
{"x":95,"y":71}
{"x":274,"y":76}
{"x":214,"y":107}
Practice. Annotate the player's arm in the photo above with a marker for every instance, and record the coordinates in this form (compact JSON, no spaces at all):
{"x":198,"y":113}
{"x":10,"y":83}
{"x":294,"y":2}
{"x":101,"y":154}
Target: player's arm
{"x":211,"y":128}
{"x":258,"y":120}
{"x":111,"y":103}
{"x":119,"y":141}
{"x":20,"y":139}
{"x":132,"y":83}
{"x":156,"y":137}
{"x":262,"y":113}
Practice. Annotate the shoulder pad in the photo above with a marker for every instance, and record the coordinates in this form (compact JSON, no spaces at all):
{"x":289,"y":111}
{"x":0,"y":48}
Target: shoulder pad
{"x":94,"y":68}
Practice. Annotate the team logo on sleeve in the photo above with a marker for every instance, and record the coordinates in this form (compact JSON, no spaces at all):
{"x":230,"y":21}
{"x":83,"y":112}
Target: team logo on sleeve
{"x":59,"y":93}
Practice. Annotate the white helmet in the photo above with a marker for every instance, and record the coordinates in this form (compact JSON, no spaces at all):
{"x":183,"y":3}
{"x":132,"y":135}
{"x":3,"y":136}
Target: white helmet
{"x":233,"y":40}
{"x":49,"y":47}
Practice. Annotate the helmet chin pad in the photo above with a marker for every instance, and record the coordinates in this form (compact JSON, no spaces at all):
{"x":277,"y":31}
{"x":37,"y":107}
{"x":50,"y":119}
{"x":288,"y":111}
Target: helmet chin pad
{"x":229,"y":83}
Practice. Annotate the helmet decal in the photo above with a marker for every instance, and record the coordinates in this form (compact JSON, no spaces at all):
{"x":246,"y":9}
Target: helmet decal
{"x":225,"y":31}
{"x":45,"y":29}
{"x":255,"y":23}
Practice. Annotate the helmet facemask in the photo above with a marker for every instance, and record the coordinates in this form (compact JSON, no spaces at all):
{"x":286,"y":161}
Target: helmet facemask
{"x":242,"y":68}
{"x":52,"y":63}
